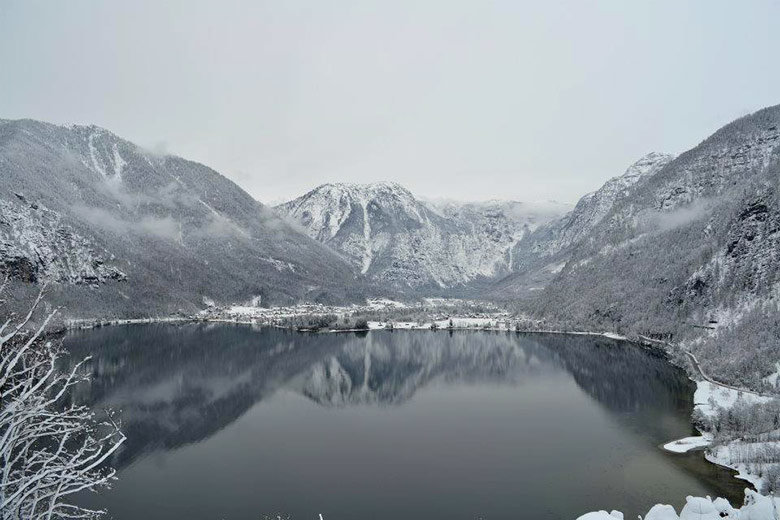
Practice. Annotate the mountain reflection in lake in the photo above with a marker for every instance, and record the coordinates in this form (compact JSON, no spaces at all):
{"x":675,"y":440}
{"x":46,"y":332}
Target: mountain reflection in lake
{"x":233,"y":422}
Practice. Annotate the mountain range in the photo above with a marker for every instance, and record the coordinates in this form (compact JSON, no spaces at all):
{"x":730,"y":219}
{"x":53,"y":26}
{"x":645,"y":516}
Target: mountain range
{"x":682,"y":247}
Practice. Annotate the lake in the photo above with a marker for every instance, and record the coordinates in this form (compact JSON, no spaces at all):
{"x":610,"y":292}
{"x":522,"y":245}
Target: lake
{"x":234,"y":421}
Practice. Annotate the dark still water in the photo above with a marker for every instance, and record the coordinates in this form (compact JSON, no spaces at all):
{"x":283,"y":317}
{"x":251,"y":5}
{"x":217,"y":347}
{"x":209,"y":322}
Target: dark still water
{"x":234,"y":422}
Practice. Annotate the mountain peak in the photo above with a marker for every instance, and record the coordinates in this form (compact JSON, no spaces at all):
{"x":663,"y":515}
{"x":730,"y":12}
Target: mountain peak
{"x":363,"y":190}
{"x":649,"y":163}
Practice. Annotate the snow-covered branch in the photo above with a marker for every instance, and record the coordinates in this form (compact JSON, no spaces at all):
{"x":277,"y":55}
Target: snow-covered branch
{"x":49,"y":450}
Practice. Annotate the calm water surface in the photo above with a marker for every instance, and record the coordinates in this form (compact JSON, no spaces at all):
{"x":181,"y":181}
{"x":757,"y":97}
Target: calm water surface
{"x":234,"y":422}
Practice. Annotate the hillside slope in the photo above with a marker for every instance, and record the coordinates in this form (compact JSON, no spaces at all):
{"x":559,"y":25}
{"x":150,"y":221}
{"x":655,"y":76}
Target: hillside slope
{"x":690,"y":253}
{"x":117,"y":230}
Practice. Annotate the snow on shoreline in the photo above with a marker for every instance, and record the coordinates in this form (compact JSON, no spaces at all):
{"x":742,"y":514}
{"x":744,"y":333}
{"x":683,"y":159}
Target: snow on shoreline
{"x":707,"y":399}
{"x":265,"y":316}
{"x":81,"y":324}
{"x":687,"y":444}
{"x":496,"y":319}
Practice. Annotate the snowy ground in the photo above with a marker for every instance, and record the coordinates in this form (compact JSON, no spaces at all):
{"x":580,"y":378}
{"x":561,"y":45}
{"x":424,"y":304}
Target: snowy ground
{"x":688,"y":443}
{"x":710,"y":396}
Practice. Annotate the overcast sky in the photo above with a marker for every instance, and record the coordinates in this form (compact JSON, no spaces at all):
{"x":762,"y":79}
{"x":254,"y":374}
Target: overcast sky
{"x":466,"y":100}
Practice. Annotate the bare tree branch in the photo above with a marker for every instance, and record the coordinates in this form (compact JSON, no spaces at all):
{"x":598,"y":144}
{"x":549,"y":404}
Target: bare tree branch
{"x":48,"y":450}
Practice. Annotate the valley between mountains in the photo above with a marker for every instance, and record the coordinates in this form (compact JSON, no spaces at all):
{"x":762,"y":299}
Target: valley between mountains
{"x":676,"y":248}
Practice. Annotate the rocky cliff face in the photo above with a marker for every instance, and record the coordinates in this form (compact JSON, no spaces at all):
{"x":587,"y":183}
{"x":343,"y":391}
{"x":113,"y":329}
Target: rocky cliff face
{"x":593,"y":207}
{"x":36,"y":246}
{"x":121,"y":230}
{"x":395,"y":239}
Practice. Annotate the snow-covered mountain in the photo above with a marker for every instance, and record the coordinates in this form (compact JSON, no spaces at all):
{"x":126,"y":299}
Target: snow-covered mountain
{"x":672,"y":245}
{"x":398,"y":240}
{"x":118,"y":230}
{"x":560,"y":234}
{"x":690,"y":250}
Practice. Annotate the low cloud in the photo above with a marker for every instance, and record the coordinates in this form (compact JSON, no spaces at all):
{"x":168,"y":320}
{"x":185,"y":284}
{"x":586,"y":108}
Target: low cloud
{"x":289,"y":222}
{"x":661,"y":221}
{"x":219,"y":226}
{"x":158,"y":149}
{"x":165,"y":227}
{"x":169,"y":196}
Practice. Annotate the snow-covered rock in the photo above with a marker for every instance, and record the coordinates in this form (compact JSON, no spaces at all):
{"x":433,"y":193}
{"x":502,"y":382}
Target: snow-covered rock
{"x":699,"y":508}
{"x":755,"y":507}
{"x":759,"y":507}
{"x":593,"y":207}
{"x":36,"y":245}
{"x":601,"y":515}
{"x":661,"y":512}
{"x":724,"y":508}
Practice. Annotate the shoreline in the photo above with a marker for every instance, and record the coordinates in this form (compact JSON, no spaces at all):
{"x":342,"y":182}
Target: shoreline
{"x":675,"y":446}
{"x":87,"y":324}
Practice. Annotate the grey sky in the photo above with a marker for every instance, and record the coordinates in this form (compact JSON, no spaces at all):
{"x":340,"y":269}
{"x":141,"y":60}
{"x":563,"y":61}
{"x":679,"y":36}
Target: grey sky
{"x":467,"y":100}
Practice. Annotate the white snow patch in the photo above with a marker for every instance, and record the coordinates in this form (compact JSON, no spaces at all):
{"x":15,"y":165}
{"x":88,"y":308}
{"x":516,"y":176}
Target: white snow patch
{"x":367,"y":253}
{"x":279,"y":265}
{"x":119,"y":163}
{"x":383,"y":303}
{"x":772,"y":378}
{"x":688,"y":443}
{"x":555,"y":268}
{"x":601,"y":515}
{"x":709,"y":397}
{"x":93,"y":155}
